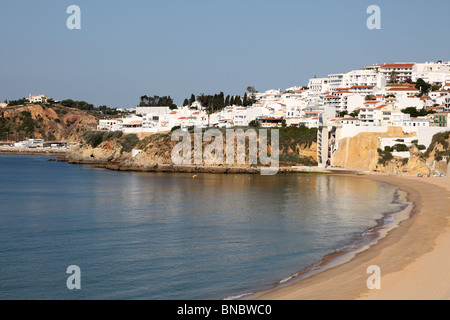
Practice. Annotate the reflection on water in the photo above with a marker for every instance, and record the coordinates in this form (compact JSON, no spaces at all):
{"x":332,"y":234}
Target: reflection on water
{"x":169,"y":236}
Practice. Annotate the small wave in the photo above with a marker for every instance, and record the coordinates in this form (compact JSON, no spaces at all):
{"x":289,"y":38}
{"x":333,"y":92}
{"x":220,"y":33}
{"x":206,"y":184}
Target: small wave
{"x":238,"y":296}
{"x":288,"y":278}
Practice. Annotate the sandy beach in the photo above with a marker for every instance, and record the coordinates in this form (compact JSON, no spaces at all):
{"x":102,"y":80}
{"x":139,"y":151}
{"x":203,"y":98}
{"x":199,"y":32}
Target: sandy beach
{"x":414,"y":258}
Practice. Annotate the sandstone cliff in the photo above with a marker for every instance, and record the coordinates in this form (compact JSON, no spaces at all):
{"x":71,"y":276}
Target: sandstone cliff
{"x":52,"y":123}
{"x":115,"y":150}
{"x":362,"y":152}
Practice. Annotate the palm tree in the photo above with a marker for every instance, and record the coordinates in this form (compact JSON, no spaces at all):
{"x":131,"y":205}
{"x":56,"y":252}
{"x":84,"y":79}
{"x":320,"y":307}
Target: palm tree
{"x":394,"y":76}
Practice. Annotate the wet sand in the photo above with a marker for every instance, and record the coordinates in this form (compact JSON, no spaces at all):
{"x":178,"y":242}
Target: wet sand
{"x":414,"y":258}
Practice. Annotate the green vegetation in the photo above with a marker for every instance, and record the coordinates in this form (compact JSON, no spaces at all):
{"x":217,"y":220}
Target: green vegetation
{"x":254,"y":124}
{"x":95,"y":138}
{"x":294,"y":158}
{"x":341,"y":114}
{"x":27,"y":122}
{"x":4,"y":129}
{"x":157,"y":101}
{"x":423,"y":86}
{"x":18,"y":102}
{"x":82,"y":105}
{"x":401,"y":147}
{"x":128,"y":142}
{"x":441,"y":154}
{"x":385,"y":156}
{"x":108,"y":111}
{"x":417,"y":113}
{"x":355,"y":113}
{"x":439,"y":138}
{"x":421,"y":147}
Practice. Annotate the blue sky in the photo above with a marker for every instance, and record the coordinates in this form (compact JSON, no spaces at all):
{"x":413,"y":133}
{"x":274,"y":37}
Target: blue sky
{"x":126,"y":49}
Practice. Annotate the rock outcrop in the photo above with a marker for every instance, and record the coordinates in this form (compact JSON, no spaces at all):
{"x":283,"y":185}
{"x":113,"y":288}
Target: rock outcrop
{"x":361,"y":151}
{"x":52,"y":123}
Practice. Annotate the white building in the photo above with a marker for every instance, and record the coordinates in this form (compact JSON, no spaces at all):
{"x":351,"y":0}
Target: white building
{"x":130,"y":124}
{"x":435,"y":73}
{"x":417,"y":122}
{"x":318,"y":85}
{"x":38,"y":98}
{"x":371,"y":114}
{"x":108,"y":124}
{"x":402,"y":71}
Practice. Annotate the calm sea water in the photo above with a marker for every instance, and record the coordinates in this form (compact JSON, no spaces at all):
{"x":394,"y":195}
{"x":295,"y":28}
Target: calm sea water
{"x":170,"y":236}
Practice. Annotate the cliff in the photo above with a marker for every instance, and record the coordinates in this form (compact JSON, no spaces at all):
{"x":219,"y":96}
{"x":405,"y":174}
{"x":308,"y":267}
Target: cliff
{"x":52,"y":123}
{"x":363,"y":152}
{"x":114,"y":151}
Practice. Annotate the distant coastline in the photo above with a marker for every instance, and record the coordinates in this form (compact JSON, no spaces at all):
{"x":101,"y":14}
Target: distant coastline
{"x":29,"y":151}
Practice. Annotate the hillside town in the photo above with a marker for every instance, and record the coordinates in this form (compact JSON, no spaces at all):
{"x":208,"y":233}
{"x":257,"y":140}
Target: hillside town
{"x":412,"y":98}
{"x":372,"y":96}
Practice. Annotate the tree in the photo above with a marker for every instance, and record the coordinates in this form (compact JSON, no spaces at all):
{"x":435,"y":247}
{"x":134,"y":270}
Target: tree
{"x":394,"y":77}
{"x":245,"y":101}
{"x":254,"y":124}
{"x":355,"y":113}
{"x":414,"y":113}
{"x":251,"y":90}
{"x":186,"y":102}
{"x":157,"y":101}
{"x":423,"y":86}
{"x":227,"y":101}
{"x":192,"y":99}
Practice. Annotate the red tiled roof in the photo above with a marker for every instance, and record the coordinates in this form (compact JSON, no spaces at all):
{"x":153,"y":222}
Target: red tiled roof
{"x":398,"y":65}
{"x":270,"y":118}
{"x":403,"y":89}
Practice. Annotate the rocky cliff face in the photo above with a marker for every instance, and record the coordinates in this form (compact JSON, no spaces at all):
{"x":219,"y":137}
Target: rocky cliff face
{"x":157,"y":150}
{"x":52,"y":123}
{"x":362,"y":152}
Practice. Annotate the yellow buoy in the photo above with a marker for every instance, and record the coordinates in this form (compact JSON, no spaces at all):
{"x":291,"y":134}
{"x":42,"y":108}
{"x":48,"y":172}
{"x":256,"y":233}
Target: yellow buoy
{"x":194,"y":176}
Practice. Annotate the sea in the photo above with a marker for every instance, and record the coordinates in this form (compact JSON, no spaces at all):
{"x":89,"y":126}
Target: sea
{"x":173,"y":236}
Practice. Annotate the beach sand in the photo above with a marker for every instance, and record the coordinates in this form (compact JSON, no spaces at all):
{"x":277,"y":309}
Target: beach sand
{"x":414,"y":258}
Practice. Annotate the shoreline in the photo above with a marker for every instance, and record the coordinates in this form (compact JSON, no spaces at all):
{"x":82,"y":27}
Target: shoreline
{"x":388,"y":222}
{"x":413,"y":257}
